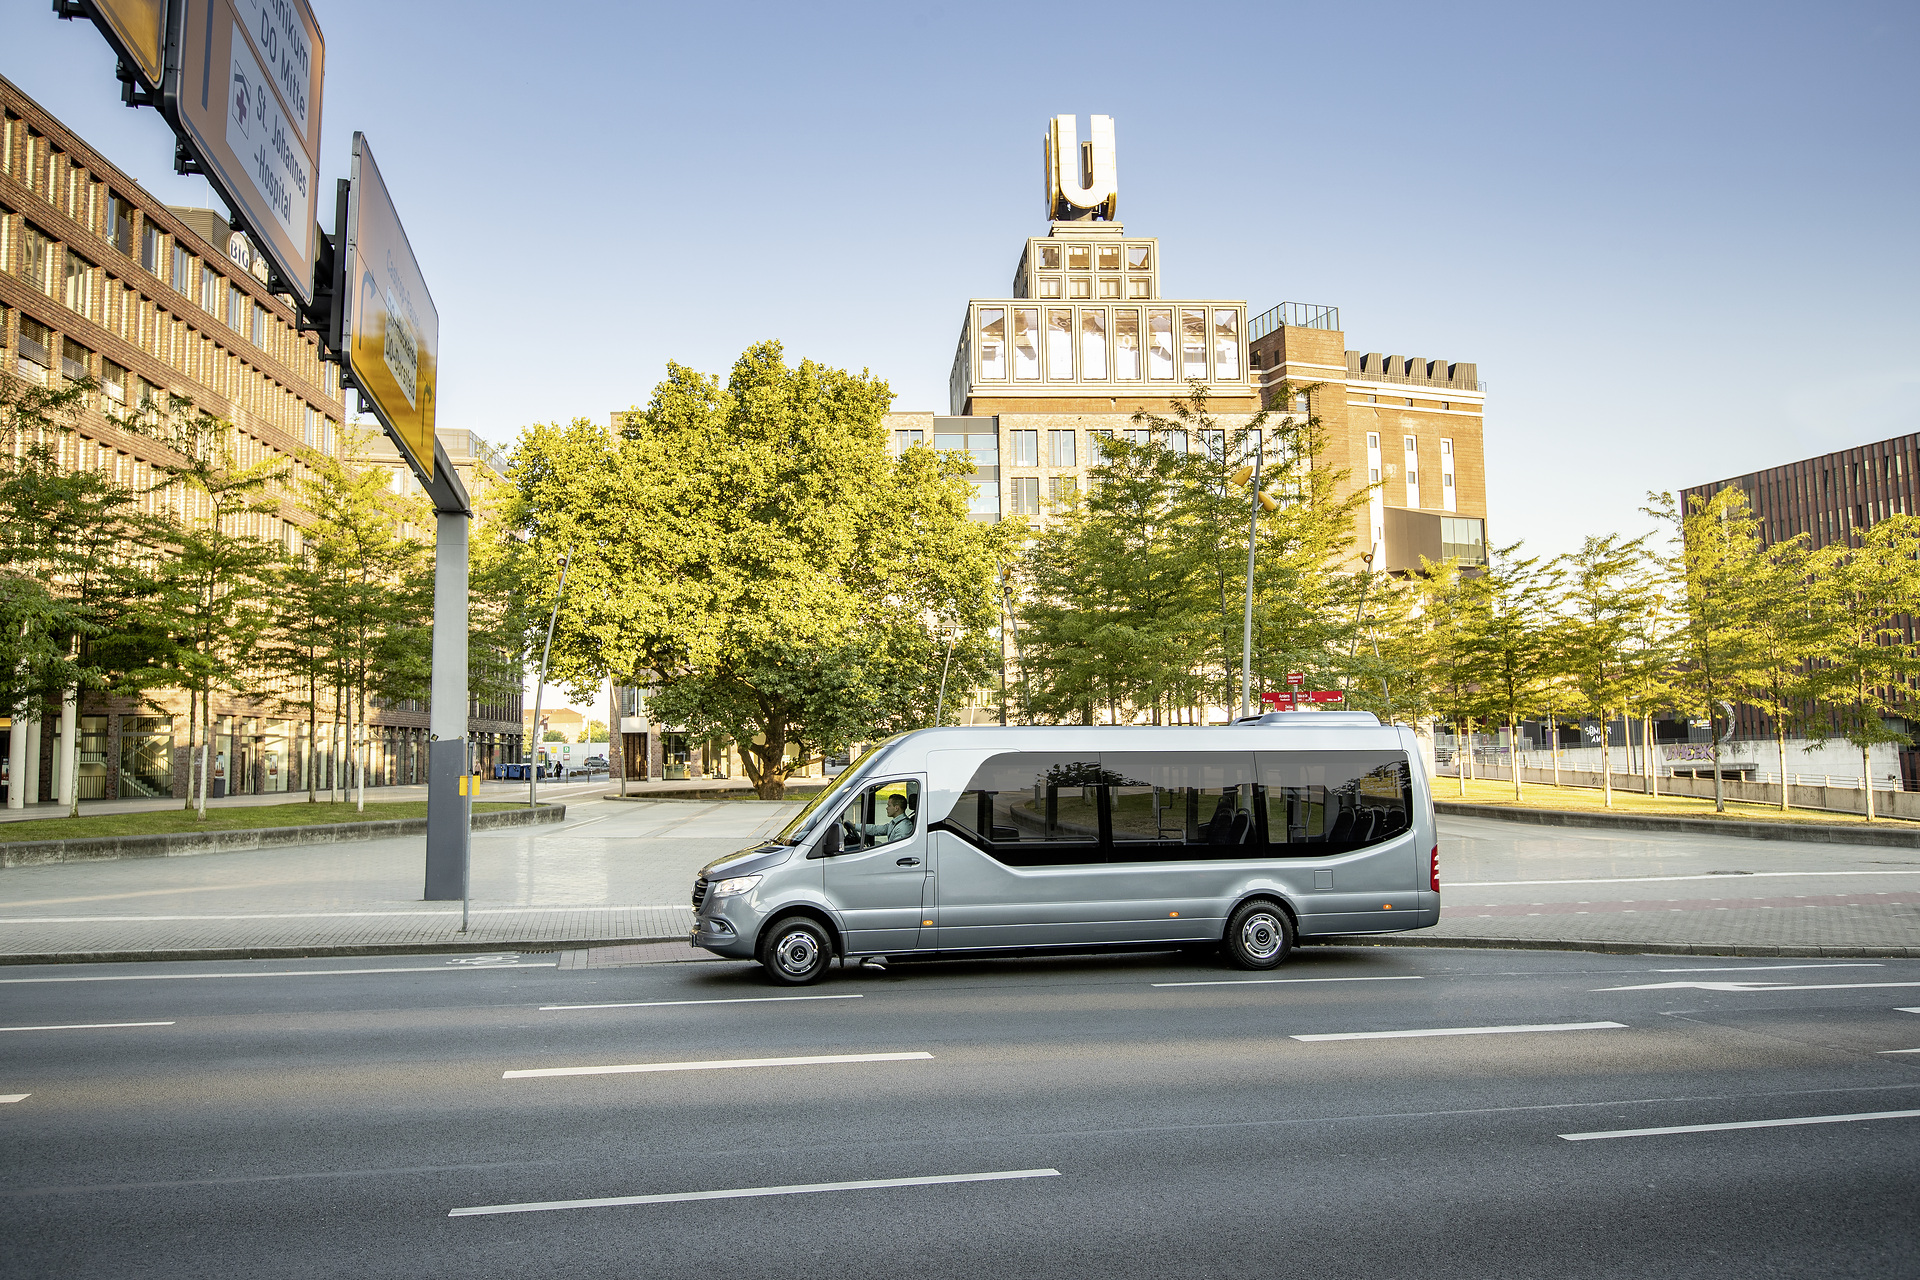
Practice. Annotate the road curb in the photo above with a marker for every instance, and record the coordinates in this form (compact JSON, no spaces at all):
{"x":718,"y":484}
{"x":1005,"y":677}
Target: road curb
{"x":544,"y":945}
{"x":178,"y":844}
{"x":1810,"y":832}
{"x":1618,"y":948}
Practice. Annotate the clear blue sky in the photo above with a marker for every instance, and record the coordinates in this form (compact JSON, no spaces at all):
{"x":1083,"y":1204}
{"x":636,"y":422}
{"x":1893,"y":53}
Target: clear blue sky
{"x":1678,"y":239}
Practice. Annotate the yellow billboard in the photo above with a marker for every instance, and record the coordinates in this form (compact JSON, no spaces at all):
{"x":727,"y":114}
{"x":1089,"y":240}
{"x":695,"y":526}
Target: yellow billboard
{"x":138,"y":32}
{"x":389,"y":329}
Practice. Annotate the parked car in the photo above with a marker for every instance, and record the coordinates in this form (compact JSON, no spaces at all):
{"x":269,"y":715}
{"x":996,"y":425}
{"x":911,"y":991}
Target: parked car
{"x":596,"y":764}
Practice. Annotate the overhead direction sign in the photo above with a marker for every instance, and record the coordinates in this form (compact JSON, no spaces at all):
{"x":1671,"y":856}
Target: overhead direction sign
{"x":243,"y":91}
{"x":137,"y":30}
{"x":389,"y":328}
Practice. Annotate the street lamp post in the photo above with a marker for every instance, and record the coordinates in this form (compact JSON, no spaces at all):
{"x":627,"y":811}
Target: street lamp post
{"x":940,"y":710}
{"x":1260,"y":499}
{"x":533,"y":771}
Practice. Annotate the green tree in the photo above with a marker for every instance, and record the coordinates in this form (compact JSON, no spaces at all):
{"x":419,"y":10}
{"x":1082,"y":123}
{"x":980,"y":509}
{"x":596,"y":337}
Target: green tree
{"x":1786,"y":635}
{"x":752,"y":552}
{"x":1604,"y":598}
{"x":1439,"y":647}
{"x":1867,"y":665}
{"x":1509,"y":649}
{"x":596,"y":731}
{"x":213,"y":576}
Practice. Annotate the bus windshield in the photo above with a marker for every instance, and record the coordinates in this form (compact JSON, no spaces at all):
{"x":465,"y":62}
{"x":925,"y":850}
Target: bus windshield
{"x":802,"y":822}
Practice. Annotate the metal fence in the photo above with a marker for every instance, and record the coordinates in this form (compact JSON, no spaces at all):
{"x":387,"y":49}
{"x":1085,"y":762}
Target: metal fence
{"x":1293,"y":315}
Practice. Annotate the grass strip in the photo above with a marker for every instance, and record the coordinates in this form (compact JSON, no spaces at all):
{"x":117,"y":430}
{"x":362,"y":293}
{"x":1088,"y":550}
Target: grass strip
{"x":1544,"y":795}
{"x":252,"y":817}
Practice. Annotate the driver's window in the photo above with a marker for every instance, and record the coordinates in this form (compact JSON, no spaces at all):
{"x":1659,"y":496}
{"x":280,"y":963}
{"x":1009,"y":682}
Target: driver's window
{"x":882,"y":814}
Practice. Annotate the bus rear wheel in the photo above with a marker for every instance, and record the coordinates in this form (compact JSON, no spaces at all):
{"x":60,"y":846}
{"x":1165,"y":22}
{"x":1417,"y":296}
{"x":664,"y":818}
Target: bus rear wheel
{"x":1259,"y":935}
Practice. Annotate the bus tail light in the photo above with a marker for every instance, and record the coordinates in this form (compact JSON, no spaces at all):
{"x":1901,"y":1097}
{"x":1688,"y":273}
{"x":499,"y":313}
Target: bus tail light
{"x":1436,"y":868}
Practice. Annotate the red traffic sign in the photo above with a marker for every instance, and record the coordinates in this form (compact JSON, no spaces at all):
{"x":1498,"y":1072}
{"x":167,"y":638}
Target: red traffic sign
{"x":1295,"y":679}
{"x":1324,"y":695}
{"x":1294,"y":698}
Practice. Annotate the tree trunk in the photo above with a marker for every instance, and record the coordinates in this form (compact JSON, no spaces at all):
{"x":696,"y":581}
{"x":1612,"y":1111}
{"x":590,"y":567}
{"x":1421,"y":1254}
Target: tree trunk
{"x":333,"y":745}
{"x":70,"y":751}
{"x":360,"y":752}
{"x":1553,"y":746}
{"x":1606,"y":760}
{"x":1513,"y":755}
{"x":1780,"y":740}
{"x":313,"y":730}
{"x":193,"y":741}
{"x":1719,"y":786}
{"x":206,"y":733}
{"x":1653,"y":763}
{"x":1867,"y":777}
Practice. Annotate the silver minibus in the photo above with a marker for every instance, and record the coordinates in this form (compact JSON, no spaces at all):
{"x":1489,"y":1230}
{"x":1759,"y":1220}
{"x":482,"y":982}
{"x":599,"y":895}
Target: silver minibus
{"x":984,"y":840}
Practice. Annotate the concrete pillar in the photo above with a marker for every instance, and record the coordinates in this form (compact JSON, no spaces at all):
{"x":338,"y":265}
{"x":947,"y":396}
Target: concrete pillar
{"x":32,"y":793}
{"x":448,"y":824}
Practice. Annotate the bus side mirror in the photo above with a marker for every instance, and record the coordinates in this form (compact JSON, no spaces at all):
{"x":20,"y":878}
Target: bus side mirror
{"x":829,"y":845}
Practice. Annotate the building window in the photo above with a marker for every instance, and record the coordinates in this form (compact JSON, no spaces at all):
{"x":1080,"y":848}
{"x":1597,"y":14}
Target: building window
{"x":1097,"y":452}
{"x":1060,"y":449}
{"x":1025,"y":446}
{"x":35,"y":347}
{"x":76,"y":361}
{"x":1026,"y":495}
{"x":1109,"y":257}
{"x":1446,"y":448}
{"x":1446,"y":480}
{"x":1464,"y":539}
{"x":1139,"y":257}
{"x":113,"y":380}
{"x":1060,"y":489}
{"x":1226,"y":343}
{"x":993,"y":344}
{"x":1110,"y":288}
{"x":1140,"y":288}
{"x":1093,"y":343}
{"x":260,"y":327}
{"x":1407,"y":443}
{"x":1126,"y":344}
{"x":905,"y":440}
{"x":1373,"y":440}
{"x":182,"y":269}
{"x":1049,"y":257}
{"x":1409,"y":402}
{"x":36,"y":258}
{"x":1079,"y":257}
{"x":1300,"y":402}
{"x":1446,"y":404}
{"x":1079,"y":287}
{"x":1060,"y":344}
{"x":1373,"y":475}
{"x":119,"y":228}
{"x":238,"y":305}
{"x":1373,"y":399}
{"x":153,"y":248}
{"x":1026,"y":342}
{"x":210,"y":299}
{"x":1049,"y":287}
{"x":1159,"y":344}
{"x":1193,"y":344}
{"x":79,"y":284}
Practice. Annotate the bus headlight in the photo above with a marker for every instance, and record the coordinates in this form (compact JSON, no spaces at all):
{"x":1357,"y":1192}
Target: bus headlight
{"x":734,"y":886}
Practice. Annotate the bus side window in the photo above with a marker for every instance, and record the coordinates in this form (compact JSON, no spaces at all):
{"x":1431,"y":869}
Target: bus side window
{"x":1335,"y":801}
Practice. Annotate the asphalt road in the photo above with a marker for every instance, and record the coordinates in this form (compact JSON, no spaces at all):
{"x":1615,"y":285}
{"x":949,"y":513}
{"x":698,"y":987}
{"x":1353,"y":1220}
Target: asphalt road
{"x":330,"y":1118}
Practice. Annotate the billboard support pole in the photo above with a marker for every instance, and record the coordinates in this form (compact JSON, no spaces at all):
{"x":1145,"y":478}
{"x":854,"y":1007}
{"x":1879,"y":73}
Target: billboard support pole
{"x":448,"y":807}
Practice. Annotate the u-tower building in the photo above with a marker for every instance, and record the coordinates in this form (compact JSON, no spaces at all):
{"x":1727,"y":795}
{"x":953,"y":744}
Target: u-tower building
{"x":1085,"y":338}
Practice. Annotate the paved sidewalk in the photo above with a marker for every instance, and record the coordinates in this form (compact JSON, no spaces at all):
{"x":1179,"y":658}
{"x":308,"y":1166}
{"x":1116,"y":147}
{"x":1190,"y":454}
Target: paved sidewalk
{"x":616,"y":874}
{"x":550,"y":789}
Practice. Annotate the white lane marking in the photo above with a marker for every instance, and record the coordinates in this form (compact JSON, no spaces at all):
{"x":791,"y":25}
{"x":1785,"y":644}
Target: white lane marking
{"x":1756,"y":875}
{"x":661,"y":1004}
{"x":1900,"y":1051}
{"x":14,"y":1097}
{"x":1740,"y":1124}
{"x":441,"y":913}
{"x":1907,"y":1010}
{"x":1759,"y":986}
{"x":742,"y":1193}
{"x":88,"y":1026}
{"x":1255,"y":982}
{"x":724,"y":1064}
{"x":1465,"y":1031}
{"x":292,"y":973}
{"x":1773,"y":968}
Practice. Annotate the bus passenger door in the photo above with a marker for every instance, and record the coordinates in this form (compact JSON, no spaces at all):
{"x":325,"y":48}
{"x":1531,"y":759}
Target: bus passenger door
{"x":878,"y":880}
